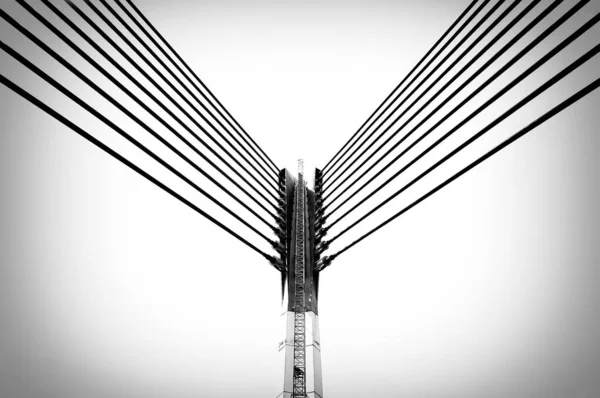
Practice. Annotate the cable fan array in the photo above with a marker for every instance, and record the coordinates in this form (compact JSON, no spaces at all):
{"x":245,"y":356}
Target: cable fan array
{"x":492,"y":62}
{"x":389,"y":144}
{"x":175,"y":107}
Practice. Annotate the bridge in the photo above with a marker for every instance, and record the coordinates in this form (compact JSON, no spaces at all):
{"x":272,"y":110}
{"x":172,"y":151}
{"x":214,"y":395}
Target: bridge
{"x":499,"y":72}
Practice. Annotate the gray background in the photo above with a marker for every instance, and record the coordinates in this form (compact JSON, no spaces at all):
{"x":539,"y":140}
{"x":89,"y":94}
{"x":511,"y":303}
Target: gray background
{"x":110,"y":288}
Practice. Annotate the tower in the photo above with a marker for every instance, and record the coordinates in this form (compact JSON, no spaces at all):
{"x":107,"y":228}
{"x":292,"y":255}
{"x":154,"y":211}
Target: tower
{"x":300,"y":347}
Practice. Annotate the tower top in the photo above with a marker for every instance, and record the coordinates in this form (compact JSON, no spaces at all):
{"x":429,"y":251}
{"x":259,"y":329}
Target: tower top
{"x":300,"y":166}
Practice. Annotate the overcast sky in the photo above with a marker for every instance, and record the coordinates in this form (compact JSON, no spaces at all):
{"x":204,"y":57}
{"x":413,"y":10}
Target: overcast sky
{"x":111,"y":288}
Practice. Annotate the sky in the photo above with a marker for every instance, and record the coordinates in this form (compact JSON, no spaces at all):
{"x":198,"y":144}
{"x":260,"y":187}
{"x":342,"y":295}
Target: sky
{"x":111,"y":288}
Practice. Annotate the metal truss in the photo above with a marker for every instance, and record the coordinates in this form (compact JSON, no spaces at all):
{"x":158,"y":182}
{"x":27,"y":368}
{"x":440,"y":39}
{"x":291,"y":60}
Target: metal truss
{"x":299,"y":379}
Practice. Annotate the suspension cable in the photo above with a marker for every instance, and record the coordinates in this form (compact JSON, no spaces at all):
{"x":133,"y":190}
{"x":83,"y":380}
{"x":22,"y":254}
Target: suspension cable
{"x":145,"y":59}
{"x":551,"y":82}
{"x":166,"y":43}
{"x":463,"y":26}
{"x":446,"y":33}
{"x":439,"y":52}
{"x":463,"y":41}
{"x":122,"y":108}
{"x":166,"y":54}
{"x":35,"y":101}
{"x":515,"y":39}
{"x":509,"y":64}
{"x":63,"y":37}
{"x":162,"y":90}
{"x":185,"y":87}
{"x":124,"y":134}
{"x":433,"y":84}
{"x":545,"y":117}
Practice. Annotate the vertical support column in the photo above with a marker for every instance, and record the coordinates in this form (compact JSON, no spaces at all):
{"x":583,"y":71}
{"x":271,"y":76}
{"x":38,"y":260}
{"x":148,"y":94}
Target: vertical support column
{"x":301,"y":346}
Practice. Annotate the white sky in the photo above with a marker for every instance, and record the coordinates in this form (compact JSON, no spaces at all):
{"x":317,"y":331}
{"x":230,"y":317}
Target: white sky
{"x":113,"y":288}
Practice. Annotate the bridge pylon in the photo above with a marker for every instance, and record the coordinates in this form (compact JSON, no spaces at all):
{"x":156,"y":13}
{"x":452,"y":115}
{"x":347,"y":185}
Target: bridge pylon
{"x":300,"y":348}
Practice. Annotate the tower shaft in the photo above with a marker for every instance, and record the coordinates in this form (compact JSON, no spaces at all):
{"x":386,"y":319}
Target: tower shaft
{"x":300,"y":349}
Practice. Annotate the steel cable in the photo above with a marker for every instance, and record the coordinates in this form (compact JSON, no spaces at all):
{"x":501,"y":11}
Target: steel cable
{"x":466,"y":23}
{"x":464,"y":39}
{"x":123,"y":109}
{"x":551,"y":82}
{"x":124,"y":134}
{"x":450,"y":81}
{"x":553,"y":112}
{"x":18,"y":90}
{"x":471,"y":78}
{"x":163,"y":92}
{"x":166,"y":54}
{"x":490,"y":101}
{"x":166,"y":43}
{"x":437,"y":43}
{"x":185,"y":87}
{"x":79,"y":51}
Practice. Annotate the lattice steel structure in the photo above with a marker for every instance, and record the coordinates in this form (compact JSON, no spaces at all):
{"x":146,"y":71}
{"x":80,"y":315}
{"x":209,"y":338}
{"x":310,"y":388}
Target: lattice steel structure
{"x":301,"y":346}
{"x":299,"y":308}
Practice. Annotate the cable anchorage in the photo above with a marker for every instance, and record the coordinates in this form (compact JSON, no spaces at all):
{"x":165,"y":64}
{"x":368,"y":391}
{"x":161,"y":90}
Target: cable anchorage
{"x":282,"y":231}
